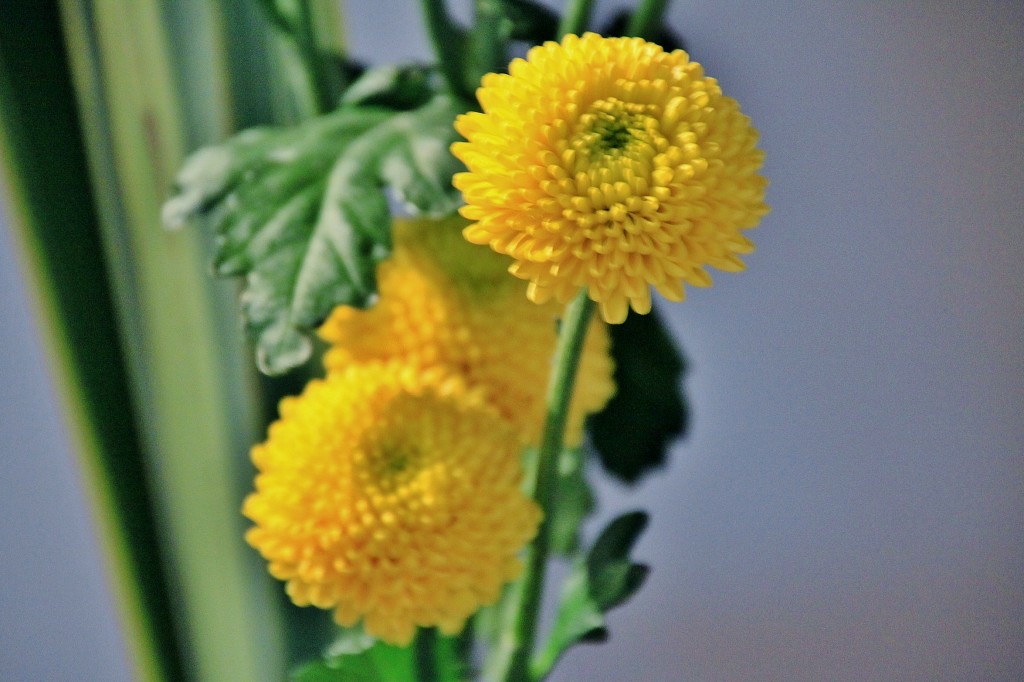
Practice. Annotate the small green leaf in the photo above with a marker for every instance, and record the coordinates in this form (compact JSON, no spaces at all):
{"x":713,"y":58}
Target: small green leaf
{"x":350,"y":641}
{"x":633,"y":432}
{"x":603,"y":580}
{"x":322,"y":671}
{"x":575,"y":502}
{"x":303,"y":215}
{"x":393,"y":86}
{"x":613,"y":578}
{"x":379,"y":663}
{"x":357,"y":657}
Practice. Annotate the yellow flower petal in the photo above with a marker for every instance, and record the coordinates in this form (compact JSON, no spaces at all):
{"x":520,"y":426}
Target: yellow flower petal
{"x":450,"y":307}
{"x":391,"y":500}
{"x":611,"y":164}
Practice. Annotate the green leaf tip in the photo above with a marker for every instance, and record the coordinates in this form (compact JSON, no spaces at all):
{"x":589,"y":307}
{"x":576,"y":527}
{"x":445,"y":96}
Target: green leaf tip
{"x":613,"y":578}
{"x":303,"y":213}
{"x":358,"y":657}
{"x":378,"y":662}
{"x":396,"y":86}
{"x":648,"y":411}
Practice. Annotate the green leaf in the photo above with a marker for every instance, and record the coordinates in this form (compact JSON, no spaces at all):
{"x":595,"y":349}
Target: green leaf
{"x":351,"y":641}
{"x":633,"y":432}
{"x":394,"y":86}
{"x":357,"y":657}
{"x":303,"y":212}
{"x":379,"y":663}
{"x":613,"y":578}
{"x":239,"y":172}
{"x":575,"y":502}
{"x":603,"y":580}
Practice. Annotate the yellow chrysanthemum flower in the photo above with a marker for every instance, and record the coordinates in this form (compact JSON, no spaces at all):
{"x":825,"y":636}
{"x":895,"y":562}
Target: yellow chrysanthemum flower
{"x":450,"y":306}
{"x":610,"y":164}
{"x":392,"y":498}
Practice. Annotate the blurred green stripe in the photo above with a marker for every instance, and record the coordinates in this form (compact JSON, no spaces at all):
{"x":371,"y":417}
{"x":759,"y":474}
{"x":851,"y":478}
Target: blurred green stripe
{"x":186,"y":355}
{"x":154,"y":369}
{"x":47,"y":176}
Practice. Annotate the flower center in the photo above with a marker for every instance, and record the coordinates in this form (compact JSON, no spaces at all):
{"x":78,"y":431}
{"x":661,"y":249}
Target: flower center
{"x":617,"y":153}
{"x":396,"y":462}
{"x":611,"y":129}
{"x":613,"y":133}
{"x":393,"y":464}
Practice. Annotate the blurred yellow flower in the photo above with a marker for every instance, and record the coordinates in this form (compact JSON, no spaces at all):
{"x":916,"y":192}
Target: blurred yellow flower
{"x":450,"y":306}
{"x":390,"y":496}
{"x":610,"y":164}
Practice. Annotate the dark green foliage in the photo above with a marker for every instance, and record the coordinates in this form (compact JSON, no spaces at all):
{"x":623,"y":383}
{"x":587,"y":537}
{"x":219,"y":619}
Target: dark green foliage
{"x":633,"y":432}
{"x":663,"y":35}
{"x":531,"y":22}
{"x":612,"y":577}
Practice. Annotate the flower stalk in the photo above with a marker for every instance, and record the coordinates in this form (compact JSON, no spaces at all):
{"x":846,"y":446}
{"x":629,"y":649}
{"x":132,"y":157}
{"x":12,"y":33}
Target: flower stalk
{"x":305,"y":70}
{"x":543,"y":483}
{"x":646,"y":19}
{"x":440,"y":29}
{"x":426,"y":655}
{"x":489,"y":40}
{"x":576,"y":17}
{"x":309,"y":52}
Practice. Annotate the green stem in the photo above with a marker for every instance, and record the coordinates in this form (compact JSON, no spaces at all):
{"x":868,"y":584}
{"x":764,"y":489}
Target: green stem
{"x":305,"y":71}
{"x":426,"y":655}
{"x":544,"y":481}
{"x":304,"y":34}
{"x":646,"y":19}
{"x":463,"y":646}
{"x":489,"y":42}
{"x":576,"y":17}
{"x":442,"y":36}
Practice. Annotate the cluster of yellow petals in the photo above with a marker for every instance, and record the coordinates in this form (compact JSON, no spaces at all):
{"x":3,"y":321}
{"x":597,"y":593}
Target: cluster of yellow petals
{"x":610,"y":164}
{"x":391,"y":496}
{"x":449,"y":306}
{"x":390,"y":490}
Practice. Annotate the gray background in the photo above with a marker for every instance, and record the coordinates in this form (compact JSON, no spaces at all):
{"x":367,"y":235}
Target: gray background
{"x":849,"y":505}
